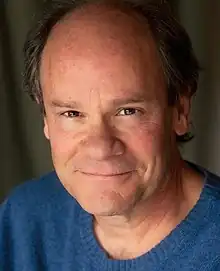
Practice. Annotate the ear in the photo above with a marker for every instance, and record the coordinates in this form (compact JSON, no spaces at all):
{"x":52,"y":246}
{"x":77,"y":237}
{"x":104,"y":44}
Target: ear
{"x":181,"y":118}
{"x":46,"y":129}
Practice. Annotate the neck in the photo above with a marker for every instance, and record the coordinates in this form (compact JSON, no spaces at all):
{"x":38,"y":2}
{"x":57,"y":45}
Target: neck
{"x":150,"y":221}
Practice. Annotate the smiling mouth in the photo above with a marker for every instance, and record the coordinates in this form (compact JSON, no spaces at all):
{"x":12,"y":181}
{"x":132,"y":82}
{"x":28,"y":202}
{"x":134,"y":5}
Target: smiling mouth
{"x":106,"y":175}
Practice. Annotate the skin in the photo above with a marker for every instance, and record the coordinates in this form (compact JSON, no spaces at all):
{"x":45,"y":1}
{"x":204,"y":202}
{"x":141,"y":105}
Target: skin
{"x":112,"y":133}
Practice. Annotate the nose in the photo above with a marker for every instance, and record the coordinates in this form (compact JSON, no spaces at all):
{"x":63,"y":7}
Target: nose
{"x":101,"y":143}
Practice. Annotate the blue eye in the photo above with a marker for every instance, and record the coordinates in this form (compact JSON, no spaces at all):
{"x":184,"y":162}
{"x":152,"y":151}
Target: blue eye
{"x":128,"y":111}
{"x":71,"y":114}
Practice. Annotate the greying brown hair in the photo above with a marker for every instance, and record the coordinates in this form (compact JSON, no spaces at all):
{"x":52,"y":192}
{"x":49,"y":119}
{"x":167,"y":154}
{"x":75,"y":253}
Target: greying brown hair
{"x":180,"y":66}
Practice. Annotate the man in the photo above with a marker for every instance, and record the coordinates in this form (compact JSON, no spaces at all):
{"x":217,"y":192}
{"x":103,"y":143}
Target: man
{"x":114,"y":81}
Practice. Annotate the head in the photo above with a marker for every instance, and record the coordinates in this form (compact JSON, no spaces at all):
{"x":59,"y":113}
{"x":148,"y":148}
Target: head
{"x":114,"y":81}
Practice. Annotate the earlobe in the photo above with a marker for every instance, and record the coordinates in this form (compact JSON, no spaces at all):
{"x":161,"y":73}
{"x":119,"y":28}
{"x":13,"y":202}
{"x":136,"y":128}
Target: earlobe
{"x":46,"y":130}
{"x":181,"y":125}
{"x":182,"y":116}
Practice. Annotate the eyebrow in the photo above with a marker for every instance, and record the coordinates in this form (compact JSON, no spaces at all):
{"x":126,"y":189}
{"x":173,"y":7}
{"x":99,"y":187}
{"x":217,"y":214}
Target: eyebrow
{"x":132,"y":100}
{"x":116,"y":102}
{"x":69,"y":104}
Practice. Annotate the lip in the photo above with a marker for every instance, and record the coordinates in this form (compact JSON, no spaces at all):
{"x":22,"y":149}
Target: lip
{"x":106,"y":175}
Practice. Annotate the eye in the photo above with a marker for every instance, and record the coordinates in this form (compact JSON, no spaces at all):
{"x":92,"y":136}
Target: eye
{"x":128,"y":112}
{"x":71,"y":114}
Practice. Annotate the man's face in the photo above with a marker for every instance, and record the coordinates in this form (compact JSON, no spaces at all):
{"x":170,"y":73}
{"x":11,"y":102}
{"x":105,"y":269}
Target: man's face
{"x":111,"y":131}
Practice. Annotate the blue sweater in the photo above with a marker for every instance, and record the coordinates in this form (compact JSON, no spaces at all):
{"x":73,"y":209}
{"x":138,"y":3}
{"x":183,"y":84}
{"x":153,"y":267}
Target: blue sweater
{"x":43,"y":228}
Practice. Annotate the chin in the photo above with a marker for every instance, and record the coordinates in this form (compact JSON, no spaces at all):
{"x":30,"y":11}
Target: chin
{"x":99,"y":211}
{"x":105,"y":198}
{"x":108,"y":203}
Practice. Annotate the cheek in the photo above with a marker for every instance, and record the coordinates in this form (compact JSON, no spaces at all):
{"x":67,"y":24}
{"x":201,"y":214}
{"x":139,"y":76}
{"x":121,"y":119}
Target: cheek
{"x":150,"y":149}
{"x":63,"y":144}
{"x":148,"y":140}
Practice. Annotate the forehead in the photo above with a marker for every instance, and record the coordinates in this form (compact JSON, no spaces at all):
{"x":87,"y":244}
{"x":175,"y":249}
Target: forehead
{"x":104,"y":41}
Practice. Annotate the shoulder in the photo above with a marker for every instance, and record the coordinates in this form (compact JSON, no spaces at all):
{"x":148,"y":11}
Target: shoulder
{"x":211,"y":189}
{"x":210,"y":203}
{"x":36,"y":189}
{"x":211,"y":180}
{"x":48,"y":180}
{"x":211,"y":194}
{"x":38,"y":196}
{"x":207,"y":210}
{"x":34,"y":223}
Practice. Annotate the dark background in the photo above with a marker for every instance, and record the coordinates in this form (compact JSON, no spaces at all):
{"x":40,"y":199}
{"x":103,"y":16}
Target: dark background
{"x":24,"y":153}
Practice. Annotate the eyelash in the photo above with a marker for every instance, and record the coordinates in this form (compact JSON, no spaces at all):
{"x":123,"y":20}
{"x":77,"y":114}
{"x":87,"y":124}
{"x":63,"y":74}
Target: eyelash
{"x":137,"y":111}
{"x":75,"y":114}
{"x":69,"y":114}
